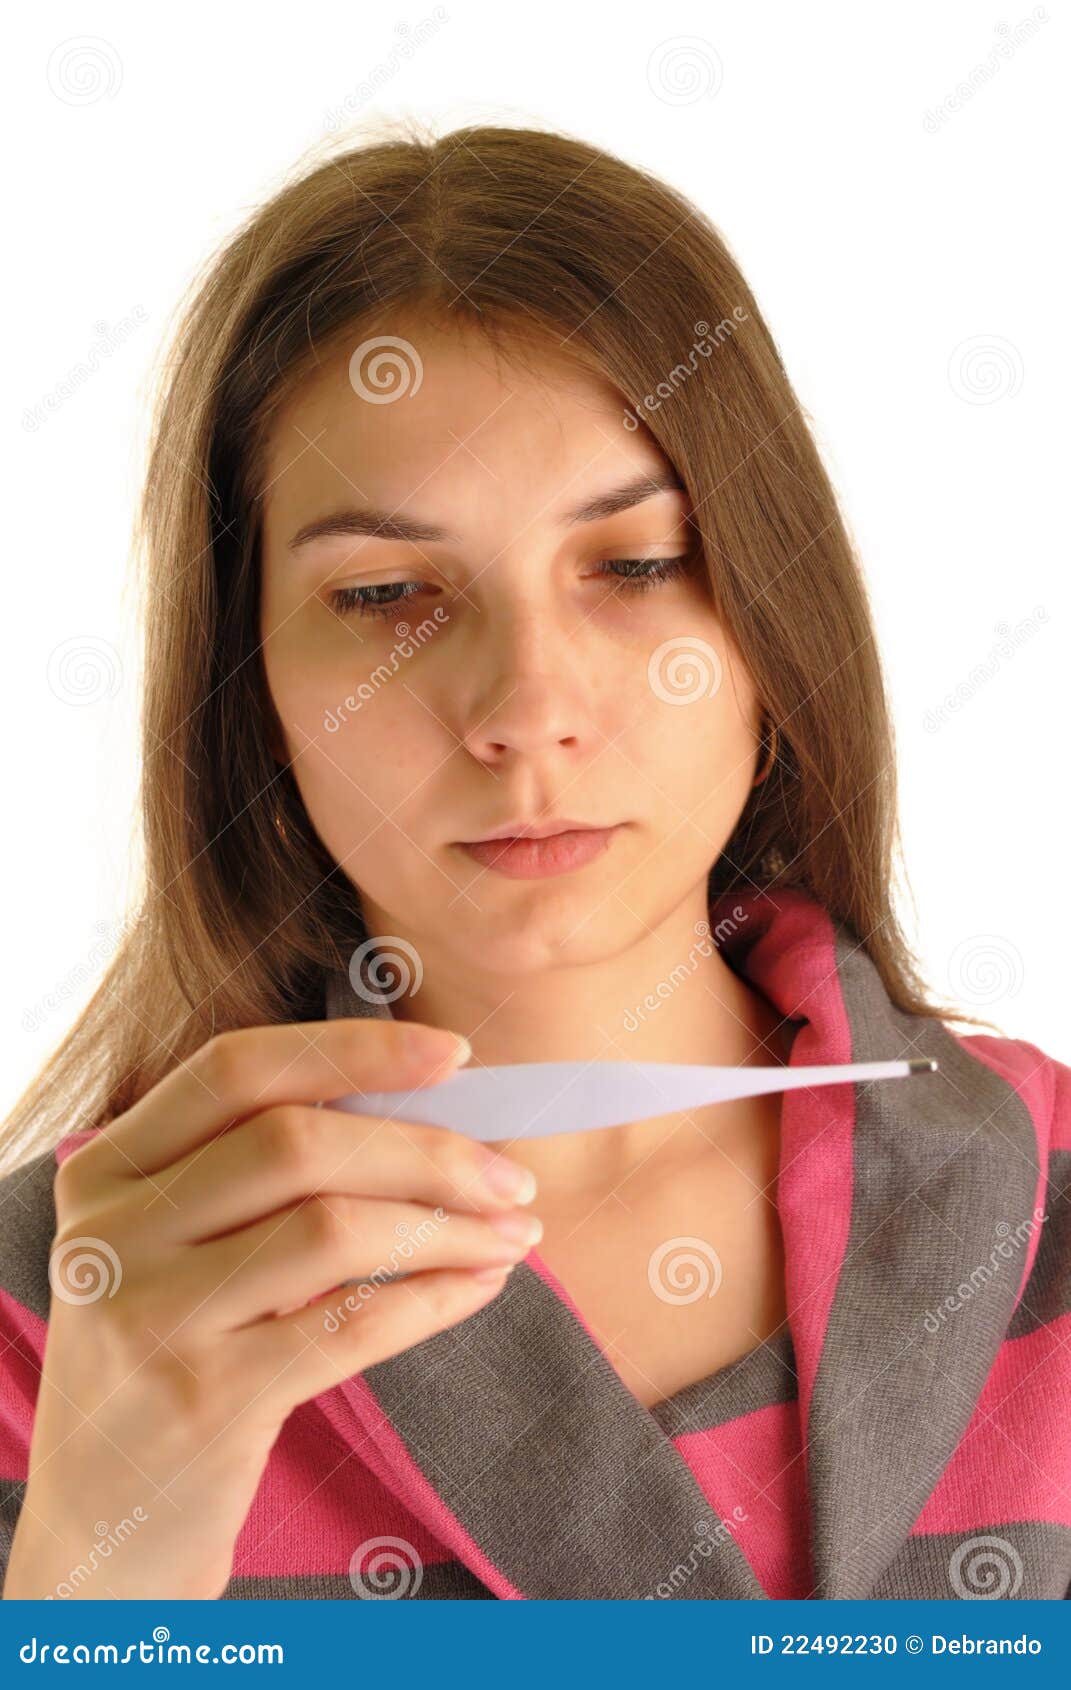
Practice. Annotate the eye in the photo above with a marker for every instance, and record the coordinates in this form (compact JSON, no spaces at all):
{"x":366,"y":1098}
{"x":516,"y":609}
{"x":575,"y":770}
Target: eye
{"x":364,"y":601}
{"x":635,"y":575}
{"x":641,"y":574}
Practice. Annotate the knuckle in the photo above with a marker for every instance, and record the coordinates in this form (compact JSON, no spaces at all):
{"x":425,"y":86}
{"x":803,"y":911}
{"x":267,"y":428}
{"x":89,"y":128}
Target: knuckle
{"x":324,"y":1225}
{"x":285,"y":1138}
{"x":455,"y":1156}
{"x":222,"y":1063}
{"x":442,"y":1296}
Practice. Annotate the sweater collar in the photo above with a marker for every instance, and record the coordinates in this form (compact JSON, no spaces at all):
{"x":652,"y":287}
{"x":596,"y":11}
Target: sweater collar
{"x":513,"y":1439}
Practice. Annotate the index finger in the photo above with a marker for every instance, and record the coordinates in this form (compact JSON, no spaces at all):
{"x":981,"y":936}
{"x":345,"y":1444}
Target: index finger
{"x":238,"y":1073}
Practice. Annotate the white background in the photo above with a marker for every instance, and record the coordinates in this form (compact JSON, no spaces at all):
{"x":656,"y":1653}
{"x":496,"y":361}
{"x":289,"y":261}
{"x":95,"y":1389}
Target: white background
{"x":912,"y":271}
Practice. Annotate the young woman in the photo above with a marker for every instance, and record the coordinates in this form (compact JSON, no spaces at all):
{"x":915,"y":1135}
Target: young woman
{"x":510,"y":675}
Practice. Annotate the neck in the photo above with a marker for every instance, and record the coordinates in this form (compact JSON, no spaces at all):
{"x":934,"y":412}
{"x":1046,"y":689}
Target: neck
{"x":669,"y":997}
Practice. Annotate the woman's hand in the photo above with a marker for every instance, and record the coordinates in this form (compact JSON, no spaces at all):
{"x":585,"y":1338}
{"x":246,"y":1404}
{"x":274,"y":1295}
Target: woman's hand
{"x":192,"y":1233}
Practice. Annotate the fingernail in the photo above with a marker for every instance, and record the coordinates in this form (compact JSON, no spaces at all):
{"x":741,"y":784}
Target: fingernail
{"x":519,"y":1229}
{"x":509,"y":1179}
{"x":435,"y":1044}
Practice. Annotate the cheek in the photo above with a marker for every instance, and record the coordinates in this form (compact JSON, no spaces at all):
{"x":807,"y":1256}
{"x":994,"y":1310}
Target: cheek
{"x":694,"y":734}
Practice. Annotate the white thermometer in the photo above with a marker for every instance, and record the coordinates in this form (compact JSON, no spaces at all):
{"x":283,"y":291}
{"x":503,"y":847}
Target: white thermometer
{"x":535,"y":1099}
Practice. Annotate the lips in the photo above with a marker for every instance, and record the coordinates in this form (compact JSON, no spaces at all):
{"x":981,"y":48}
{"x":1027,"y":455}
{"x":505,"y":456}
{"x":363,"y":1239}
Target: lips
{"x":533,"y":857}
{"x":535,"y":830}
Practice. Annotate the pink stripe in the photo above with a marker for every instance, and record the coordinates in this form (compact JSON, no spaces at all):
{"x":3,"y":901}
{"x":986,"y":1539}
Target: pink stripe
{"x":1014,"y":1460}
{"x":316,"y":1505}
{"x":355,"y":1413}
{"x":74,"y":1141}
{"x":814,"y":1197}
{"x":535,"y":1261}
{"x":22,"y":1345}
{"x":754,"y":1463}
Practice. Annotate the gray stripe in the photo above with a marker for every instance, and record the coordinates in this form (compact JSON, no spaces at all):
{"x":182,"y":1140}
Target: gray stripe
{"x":940,"y":1162}
{"x":12,"y":1496}
{"x":518,"y":1420}
{"x":1047,"y":1293}
{"x":443,"y":1581}
{"x":763,"y":1377}
{"x":1027,"y":1560}
{"x":27,"y":1228}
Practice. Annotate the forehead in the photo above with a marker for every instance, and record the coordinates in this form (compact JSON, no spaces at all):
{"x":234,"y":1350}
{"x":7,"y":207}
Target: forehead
{"x":433,"y":414}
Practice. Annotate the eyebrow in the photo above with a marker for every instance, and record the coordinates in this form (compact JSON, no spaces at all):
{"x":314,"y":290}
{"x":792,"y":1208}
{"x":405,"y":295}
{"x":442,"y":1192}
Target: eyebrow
{"x":385,"y":525}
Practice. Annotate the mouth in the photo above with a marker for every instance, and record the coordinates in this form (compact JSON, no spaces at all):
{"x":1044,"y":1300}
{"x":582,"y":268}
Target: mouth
{"x":553,"y":848}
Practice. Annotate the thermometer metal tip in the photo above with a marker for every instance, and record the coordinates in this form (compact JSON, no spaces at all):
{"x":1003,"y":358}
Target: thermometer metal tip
{"x":921,"y":1065}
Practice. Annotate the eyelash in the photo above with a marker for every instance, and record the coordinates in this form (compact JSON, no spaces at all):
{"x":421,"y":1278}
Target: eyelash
{"x":349,"y":601}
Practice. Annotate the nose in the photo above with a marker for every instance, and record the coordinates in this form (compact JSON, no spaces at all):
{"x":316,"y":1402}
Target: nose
{"x":533,"y":715}
{"x":531,"y":699}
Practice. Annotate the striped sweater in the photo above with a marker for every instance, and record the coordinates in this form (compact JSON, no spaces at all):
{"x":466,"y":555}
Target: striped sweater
{"x":908,"y":1433}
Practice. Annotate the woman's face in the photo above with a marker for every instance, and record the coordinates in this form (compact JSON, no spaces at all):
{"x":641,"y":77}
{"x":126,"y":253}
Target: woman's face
{"x":488,"y":663}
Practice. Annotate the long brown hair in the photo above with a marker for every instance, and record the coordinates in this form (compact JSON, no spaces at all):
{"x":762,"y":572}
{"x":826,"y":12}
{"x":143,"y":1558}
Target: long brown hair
{"x":242,"y":908}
